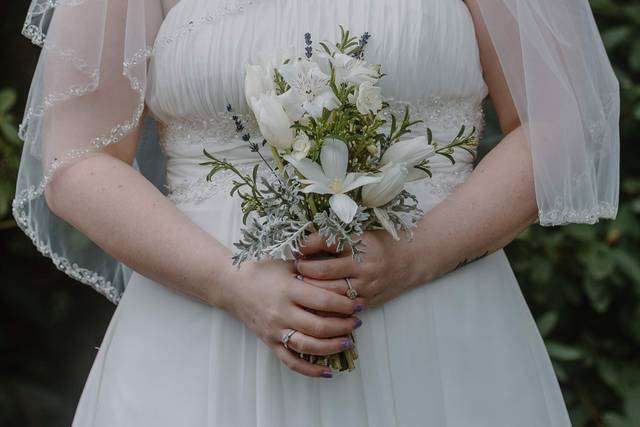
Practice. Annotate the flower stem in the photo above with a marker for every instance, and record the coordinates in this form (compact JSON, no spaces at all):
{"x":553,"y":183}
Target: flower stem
{"x":278,"y":159}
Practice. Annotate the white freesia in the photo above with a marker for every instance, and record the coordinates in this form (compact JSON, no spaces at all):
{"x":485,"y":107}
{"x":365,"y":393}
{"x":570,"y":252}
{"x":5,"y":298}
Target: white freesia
{"x":412,"y":152}
{"x":349,"y":69}
{"x":331,"y":177}
{"x":368,"y":97}
{"x":393,"y":178}
{"x":258,"y":80}
{"x":309,"y":88}
{"x":301,"y":146}
{"x":273,"y":121}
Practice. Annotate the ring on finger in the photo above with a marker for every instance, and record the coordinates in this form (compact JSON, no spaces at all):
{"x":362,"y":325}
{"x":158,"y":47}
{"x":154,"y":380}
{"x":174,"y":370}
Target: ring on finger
{"x":351,"y":292}
{"x":286,"y":337}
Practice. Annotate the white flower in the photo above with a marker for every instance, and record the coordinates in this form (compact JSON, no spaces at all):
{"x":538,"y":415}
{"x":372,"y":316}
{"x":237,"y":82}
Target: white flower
{"x":368,"y":98}
{"x":309,"y":88}
{"x":352,"y":70}
{"x":258,"y":80}
{"x":332,"y":178}
{"x":386,"y":223}
{"x":301,"y":146}
{"x":273,"y":121}
{"x":411,"y":152}
{"x":394,"y":177}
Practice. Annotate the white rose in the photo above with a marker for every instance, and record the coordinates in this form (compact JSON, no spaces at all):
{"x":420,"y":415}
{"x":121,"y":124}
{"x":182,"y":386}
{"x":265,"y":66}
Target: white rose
{"x":369,"y":98}
{"x":394,"y":177}
{"x":273,"y":121}
{"x":301,"y":146}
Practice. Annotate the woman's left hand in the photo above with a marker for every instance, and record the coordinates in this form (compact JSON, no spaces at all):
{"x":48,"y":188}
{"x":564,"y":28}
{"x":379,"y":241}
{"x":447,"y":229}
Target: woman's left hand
{"x":387,"y":268}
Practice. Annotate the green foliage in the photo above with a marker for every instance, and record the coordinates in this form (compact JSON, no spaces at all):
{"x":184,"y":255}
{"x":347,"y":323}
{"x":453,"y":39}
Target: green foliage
{"x":10,"y":149}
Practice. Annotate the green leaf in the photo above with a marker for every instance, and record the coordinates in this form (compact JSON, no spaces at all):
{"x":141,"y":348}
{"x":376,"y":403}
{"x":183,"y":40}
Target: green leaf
{"x":7,"y":99}
{"x":564,"y":352}
{"x":629,"y":265}
{"x":614,"y":37}
{"x":612,"y":419}
{"x":598,"y":292}
{"x":634,"y":56}
{"x":9,"y":132}
{"x":547,"y":322}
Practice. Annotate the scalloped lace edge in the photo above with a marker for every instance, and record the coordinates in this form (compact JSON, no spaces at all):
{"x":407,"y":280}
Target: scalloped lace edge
{"x":556,"y":217}
{"x":119,"y":131}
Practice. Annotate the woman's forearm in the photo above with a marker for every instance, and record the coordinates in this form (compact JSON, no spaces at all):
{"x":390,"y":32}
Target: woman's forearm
{"x":124,"y":214}
{"x":483,"y":215}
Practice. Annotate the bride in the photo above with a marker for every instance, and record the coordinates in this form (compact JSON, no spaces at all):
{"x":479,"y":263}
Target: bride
{"x":127,"y":94}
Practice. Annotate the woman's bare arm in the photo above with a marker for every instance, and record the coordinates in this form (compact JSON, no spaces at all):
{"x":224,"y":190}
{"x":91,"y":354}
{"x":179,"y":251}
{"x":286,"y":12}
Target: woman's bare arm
{"x":122,"y":212}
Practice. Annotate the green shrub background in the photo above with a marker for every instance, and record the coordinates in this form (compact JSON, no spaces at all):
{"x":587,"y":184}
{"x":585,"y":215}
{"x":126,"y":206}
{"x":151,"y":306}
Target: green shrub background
{"x":581,"y":282}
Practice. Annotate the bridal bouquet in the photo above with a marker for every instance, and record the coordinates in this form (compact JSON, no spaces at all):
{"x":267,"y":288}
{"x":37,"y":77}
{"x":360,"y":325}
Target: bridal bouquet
{"x":339,"y":167}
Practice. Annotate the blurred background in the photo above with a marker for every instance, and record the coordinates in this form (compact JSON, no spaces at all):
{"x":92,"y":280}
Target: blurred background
{"x":581,"y":282}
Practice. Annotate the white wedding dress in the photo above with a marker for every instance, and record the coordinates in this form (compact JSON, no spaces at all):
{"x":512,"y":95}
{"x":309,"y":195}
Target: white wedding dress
{"x":462,"y":351}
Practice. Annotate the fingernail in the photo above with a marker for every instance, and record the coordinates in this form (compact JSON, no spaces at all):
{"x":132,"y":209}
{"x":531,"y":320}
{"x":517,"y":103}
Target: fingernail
{"x":359,"y":307}
{"x":358,"y":323}
{"x":346,"y":344}
{"x":326,"y":374}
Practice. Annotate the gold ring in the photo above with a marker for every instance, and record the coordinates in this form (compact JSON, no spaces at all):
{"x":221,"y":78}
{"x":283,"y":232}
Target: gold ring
{"x":351,"y":293}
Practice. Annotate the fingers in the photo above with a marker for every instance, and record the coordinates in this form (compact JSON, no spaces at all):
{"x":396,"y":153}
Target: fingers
{"x":328,"y":269}
{"x":322,"y":327}
{"x":316,"y":243}
{"x":305,"y":344}
{"x":316,"y":298}
{"x":337,"y":286}
{"x":301,"y":366}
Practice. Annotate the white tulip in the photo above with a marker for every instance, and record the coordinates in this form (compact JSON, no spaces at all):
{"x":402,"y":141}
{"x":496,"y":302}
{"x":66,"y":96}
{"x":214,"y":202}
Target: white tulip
{"x":309,"y":88}
{"x":394,"y":177}
{"x":386,"y":223}
{"x":412,"y":152}
{"x":331,"y":177}
{"x":258,"y":80}
{"x":273,"y":121}
{"x":301,"y":146}
{"x":368,"y":98}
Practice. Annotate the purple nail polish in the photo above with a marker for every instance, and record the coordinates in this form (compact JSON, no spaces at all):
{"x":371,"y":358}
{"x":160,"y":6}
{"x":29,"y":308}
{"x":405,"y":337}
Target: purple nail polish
{"x":358,"y":323}
{"x":326,"y":374}
{"x":346,"y":344}
{"x":359,"y":307}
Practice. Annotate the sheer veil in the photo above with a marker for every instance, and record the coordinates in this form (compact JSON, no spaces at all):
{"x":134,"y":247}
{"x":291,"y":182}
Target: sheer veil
{"x":567,"y":97}
{"x":89,"y":88}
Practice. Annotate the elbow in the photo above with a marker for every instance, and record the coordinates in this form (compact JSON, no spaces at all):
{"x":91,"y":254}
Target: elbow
{"x":52,"y":193}
{"x":65,"y":185}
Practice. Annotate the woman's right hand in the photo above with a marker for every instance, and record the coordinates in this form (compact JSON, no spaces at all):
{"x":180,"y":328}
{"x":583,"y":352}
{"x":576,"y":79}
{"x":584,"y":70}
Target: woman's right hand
{"x":270,"y":300}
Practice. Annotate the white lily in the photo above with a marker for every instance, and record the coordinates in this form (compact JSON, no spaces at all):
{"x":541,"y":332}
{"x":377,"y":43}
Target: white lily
{"x":352,"y":70}
{"x":411,"y":152}
{"x":393,"y":178}
{"x":331,"y":177}
{"x":309,"y":88}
